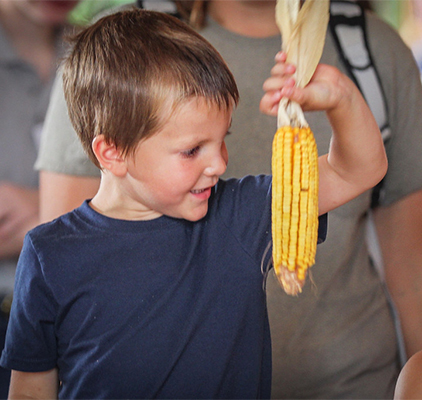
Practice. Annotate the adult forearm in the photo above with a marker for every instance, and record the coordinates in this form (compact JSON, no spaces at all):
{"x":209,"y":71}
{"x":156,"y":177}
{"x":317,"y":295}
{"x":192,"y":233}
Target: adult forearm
{"x":60,"y":193}
{"x":18,"y":213}
{"x":11,"y":245}
{"x":399,"y":228}
{"x":407,"y":296}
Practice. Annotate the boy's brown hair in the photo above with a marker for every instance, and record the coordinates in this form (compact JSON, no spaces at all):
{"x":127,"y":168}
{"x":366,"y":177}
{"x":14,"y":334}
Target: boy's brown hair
{"x":124,"y":71}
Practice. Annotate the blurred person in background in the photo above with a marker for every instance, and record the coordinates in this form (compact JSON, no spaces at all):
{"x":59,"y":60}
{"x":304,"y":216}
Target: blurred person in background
{"x":31,"y":33}
{"x":338,"y":338}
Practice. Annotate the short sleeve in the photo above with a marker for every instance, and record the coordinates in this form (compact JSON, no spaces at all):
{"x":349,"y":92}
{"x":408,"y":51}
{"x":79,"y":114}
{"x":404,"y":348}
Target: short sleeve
{"x":30,"y":340}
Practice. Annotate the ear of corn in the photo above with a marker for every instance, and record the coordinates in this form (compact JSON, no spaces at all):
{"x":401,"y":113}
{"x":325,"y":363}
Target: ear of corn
{"x":295,"y":156}
{"x":294,"y":205}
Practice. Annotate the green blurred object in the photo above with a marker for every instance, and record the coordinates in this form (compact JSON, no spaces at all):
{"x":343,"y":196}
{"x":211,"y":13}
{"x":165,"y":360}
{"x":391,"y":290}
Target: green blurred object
{"x":390,"y":11}
{"x":87,"y":9}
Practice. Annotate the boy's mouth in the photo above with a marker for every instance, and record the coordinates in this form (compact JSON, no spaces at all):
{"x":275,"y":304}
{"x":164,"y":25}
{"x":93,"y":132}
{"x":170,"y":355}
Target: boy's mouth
{"x":203,"y":194}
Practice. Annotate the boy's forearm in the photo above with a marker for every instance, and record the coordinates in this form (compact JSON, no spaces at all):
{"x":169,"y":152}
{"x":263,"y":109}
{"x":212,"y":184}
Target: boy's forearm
{"x":34,"y":385}
{"x":356,"y":160}
{"x":357,"y":151}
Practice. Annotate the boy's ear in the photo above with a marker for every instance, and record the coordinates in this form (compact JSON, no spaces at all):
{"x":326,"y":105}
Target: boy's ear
{"x":109,"y":157}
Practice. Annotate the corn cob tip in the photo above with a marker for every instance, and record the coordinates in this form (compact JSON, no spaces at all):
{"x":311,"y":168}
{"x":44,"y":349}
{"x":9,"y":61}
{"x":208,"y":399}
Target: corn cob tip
{"x":290,"y":282}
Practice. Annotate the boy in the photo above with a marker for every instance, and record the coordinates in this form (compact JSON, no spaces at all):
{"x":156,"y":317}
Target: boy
{"x":153,"y":288}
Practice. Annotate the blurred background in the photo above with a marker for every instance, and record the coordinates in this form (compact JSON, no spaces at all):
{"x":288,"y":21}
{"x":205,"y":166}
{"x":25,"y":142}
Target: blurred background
{"x":404,"y":15}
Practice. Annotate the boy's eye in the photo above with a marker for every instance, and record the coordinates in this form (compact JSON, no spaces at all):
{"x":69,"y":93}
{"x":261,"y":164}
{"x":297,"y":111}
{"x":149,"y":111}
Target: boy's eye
{"x":191,"y":152}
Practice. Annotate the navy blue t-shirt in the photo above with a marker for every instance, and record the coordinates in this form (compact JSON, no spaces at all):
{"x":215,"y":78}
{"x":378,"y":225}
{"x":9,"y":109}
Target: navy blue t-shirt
{"x":165,"y":308}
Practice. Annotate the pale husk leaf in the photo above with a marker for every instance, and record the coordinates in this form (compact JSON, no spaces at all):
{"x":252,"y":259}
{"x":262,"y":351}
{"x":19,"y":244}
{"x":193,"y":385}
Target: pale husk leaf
{"x":286,"y":15}
{"x":307,"y":39}
{"x":303,"y":31}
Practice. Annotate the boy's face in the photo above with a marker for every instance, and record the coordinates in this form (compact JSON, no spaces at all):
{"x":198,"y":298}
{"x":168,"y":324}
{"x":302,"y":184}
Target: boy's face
{"x":173,"y":171}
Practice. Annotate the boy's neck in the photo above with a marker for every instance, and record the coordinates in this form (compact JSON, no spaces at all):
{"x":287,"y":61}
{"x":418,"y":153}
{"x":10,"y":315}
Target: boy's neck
{"x":110,"y":202}
{"x":248,"y":18}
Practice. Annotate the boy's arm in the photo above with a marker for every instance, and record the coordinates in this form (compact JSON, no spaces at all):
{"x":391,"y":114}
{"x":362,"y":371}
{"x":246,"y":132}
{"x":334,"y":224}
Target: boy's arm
{"x":34,"y":385}
{"x":356,"y":160}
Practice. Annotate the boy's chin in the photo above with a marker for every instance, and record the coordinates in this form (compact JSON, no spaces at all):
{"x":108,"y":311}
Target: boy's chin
{"x":192,"y":214}
{"x":196,"y":215}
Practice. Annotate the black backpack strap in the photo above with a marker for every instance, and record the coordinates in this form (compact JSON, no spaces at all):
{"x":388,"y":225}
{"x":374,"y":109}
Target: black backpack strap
{"x":348,"y":28}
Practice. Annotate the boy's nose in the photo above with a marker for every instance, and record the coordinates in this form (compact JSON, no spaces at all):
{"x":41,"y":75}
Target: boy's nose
{"x":217,"y":166}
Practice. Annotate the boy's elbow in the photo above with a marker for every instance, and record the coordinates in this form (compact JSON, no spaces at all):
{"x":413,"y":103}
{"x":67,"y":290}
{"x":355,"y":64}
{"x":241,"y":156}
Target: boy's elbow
{"x":381,"y":170}
{"x":369,"y":174}
{"x":377,"y":172}
{"x":384,"y":167}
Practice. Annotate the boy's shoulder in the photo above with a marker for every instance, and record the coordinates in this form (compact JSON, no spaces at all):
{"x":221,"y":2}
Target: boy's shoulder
{"x":63,"y":224}
{"x":248,"y":181}
{"x":243,"y":189}
{"x":241,"y":199}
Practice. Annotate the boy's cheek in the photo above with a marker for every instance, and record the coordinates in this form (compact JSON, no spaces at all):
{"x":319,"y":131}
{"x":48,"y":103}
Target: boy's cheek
{"x":225,"y":154}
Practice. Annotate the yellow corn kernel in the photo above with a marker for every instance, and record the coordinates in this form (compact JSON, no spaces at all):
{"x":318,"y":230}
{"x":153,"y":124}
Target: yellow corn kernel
{"x":294,"y":205}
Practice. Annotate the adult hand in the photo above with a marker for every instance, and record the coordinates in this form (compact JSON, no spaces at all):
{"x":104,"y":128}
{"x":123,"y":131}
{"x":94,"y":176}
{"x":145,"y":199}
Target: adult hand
{"x":19,"y":212}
